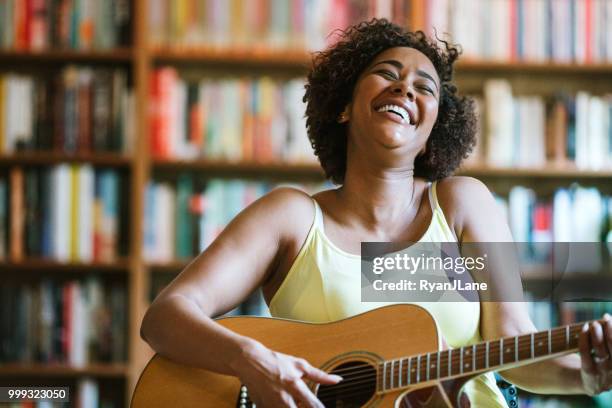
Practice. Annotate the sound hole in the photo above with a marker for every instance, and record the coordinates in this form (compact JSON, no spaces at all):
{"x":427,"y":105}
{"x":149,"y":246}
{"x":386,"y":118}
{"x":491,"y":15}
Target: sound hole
{"x":356,"y":388}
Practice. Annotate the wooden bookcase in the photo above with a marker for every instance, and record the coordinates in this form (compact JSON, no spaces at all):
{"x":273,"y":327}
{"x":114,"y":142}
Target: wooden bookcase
{"x":141,"y":59}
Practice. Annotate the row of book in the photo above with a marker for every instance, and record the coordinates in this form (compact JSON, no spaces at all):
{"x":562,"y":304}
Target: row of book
{"x":235,"y":118}
{"x":578,"y":215}
{"x":530,"y":131}
{"x":71,"y":322}
{"x":531,"y":30}
{"x":263,"y":23}
{"x":69,"y":213}
{"x":77,"y":24}
{"x":80,"y":109}
{"x":263,"y":120}
{"x":574,"y":214}
{"x":183,"y":218}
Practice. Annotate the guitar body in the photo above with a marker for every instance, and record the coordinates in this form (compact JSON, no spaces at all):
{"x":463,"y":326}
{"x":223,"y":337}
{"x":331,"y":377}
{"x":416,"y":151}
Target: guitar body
{"x":356,"y":345}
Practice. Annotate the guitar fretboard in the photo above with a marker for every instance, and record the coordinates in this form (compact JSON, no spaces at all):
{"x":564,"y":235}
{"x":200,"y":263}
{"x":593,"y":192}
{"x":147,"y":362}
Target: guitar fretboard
{"x":480,"y":357}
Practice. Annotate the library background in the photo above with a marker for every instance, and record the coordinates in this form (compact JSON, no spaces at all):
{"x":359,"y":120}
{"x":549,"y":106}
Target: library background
{"x":132,"y":131}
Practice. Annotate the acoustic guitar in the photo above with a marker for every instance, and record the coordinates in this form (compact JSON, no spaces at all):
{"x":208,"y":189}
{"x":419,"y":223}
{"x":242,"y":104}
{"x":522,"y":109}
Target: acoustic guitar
{"x":387,"y":358}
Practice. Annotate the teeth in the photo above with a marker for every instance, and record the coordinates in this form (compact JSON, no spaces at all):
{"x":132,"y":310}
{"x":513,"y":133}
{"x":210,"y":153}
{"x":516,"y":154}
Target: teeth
{"x":397,"y":109}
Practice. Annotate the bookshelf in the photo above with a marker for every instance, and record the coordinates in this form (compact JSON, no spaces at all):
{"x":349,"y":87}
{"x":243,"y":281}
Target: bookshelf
{"x":42,"y":265}
{"x":138,"y":167}
{"x":299,"y":60}
{"x":118,"y":55}
{"x":50,"y":158}
{"x":314,"y":171}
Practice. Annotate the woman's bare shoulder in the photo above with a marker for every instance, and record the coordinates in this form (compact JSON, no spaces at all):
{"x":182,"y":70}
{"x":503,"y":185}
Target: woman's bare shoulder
{"x":291,"y":209}
{"x":461,"y":189}
{"x":288,"y":201}
{"x":462,"y":198}
{"x":468,"y":203}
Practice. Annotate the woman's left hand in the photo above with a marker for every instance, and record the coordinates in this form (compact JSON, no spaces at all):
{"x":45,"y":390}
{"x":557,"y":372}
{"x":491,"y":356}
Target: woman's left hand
{"x":595,"y":344}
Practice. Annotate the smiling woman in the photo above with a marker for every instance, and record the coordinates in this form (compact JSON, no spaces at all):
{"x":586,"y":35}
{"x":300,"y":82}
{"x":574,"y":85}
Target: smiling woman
{"x":365,"y":48}
{"x":388,"y":127}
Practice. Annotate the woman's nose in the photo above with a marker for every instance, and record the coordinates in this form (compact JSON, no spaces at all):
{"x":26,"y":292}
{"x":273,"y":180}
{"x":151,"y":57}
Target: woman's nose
{"x":400,"y":89}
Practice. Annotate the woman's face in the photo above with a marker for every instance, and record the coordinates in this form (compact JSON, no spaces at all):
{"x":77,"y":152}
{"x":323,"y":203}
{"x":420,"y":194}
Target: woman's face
{"x":395,"y":104}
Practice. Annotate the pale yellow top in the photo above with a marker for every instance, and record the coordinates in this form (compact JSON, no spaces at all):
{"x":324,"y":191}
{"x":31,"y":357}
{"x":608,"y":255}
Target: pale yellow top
{"x":324,"y":285}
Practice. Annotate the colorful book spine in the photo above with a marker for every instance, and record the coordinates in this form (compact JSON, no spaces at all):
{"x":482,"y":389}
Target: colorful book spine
{"x":183,"y":218}
{"x":532,"y":132}
{"x":68,"y":213}
{"x":229,"y":119}
{"x":63,"y":322}
{"x":524,"y":30}
{"x":268,"y":24}
{"x":79,"y":24}
{"x":81,"y":110}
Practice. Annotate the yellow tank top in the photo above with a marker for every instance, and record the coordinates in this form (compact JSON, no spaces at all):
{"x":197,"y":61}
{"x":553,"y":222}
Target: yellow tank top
{"x":324,"y":285}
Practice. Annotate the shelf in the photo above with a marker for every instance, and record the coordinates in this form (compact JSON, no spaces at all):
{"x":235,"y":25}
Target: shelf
{"x":538,"y":172}
{"x":51,"y":157}
{"x":218,"y":56}
{"x":62,"y":370}
{"x":242,"y":169}
{"x":252,"y":169}
{"x":302,"y":59}
{"x":67,"y":55}
{"x":545,"y":67}
{"x":45,"y":265}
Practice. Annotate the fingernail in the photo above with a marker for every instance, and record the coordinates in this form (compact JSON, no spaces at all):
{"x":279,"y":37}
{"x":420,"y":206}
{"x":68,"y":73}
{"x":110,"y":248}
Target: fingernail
{"x":336,"y":377}
{"x":585,"y":327}
{"x":606,"y":316}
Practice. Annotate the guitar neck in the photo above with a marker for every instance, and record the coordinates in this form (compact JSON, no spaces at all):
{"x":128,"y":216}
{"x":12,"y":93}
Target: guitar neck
{"x":504,"y":353}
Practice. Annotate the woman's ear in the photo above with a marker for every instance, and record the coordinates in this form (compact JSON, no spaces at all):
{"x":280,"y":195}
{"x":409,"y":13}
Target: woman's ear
{"x":344,"y":115}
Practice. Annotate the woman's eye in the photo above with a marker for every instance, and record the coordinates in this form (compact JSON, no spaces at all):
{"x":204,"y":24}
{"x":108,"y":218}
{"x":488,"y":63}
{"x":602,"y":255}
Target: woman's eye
{"x":426,"y":89}
{"x":388,"y":74}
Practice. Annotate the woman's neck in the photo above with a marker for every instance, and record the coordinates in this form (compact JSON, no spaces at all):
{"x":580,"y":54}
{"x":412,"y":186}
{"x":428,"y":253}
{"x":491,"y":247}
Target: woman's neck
{"x":379,"y":198}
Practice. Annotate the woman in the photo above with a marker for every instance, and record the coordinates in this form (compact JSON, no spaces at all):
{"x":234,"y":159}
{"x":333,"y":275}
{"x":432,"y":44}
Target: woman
{"x":384,"y":119}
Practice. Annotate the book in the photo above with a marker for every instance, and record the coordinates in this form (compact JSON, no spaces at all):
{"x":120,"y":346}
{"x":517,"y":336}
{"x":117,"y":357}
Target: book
{"x":522,"y":30}
{"x":251,"y":119}
{"x":530,"y":131}
{"x":17,"y":216}
{"x":74,"y":322}
{"x":183,"y":218}
{"x":78,"y":24}
{"x":269,"y":24}
{"x":80,"y":110}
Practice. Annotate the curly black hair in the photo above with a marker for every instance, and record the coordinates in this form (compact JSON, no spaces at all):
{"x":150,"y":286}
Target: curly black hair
{"x":333,"y":77}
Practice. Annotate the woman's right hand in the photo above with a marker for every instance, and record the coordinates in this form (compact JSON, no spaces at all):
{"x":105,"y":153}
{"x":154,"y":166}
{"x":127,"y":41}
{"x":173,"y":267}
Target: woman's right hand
{"x":278,"y":380}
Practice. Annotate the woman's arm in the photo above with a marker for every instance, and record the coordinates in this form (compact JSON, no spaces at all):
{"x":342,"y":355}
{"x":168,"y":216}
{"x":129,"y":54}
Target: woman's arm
{"x":178,"y":324}
{"x":477,"y":218}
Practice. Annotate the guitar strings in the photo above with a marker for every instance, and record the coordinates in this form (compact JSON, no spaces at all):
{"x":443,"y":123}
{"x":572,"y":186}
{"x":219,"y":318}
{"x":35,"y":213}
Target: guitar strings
{"x":368,"y":374}
{"x":360,"y":386}
{"x":455,"y":355}
{"x":343,"y":394}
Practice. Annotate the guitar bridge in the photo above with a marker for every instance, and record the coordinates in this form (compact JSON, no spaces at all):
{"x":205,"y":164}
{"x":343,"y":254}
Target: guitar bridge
{"x":243,"y":400}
